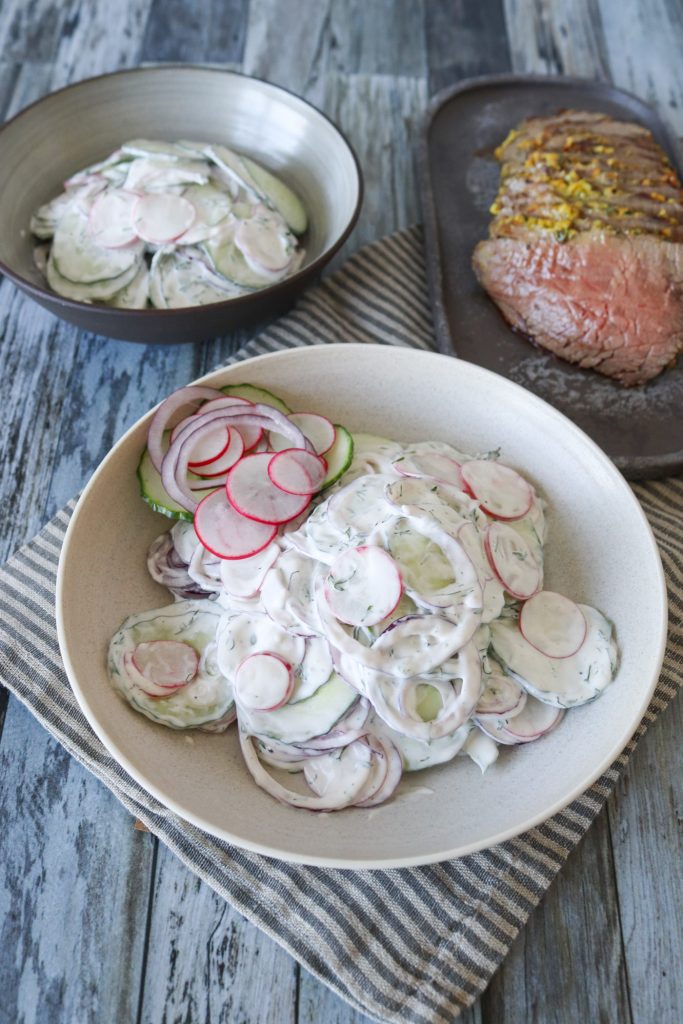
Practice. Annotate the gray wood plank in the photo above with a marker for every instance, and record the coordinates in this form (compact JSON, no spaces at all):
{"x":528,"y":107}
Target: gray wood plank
{"x":98,"y":37}
{"x":73,"y":887}
{"x":464,"y":39}
{"x":560,"y":37}
{"x":206,"y":963}
{"x":646,"y":817}
{"x":183,"y":30}
{"x":298,"y":43}
{"x":30,"y":31}
{"x":567,"y":964}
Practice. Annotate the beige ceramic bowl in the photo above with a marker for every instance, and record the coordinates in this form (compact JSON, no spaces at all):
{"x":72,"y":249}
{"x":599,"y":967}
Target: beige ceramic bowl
{"x":79,"y":125}
{"x":600,"y":551}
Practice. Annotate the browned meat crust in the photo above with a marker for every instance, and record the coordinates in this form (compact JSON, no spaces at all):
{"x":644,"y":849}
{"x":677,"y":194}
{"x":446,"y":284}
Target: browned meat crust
{"x":585,"y":253}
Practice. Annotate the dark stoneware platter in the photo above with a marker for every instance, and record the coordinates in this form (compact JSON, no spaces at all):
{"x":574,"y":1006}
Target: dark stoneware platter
{"x":641,"y":429}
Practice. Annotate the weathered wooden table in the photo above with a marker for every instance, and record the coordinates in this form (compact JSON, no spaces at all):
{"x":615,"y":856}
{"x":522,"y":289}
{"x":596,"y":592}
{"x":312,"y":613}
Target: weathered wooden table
{"x":98,"y":922}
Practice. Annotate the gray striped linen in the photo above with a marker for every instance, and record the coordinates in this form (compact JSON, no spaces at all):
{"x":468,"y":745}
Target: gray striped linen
{"x":443,"y":929}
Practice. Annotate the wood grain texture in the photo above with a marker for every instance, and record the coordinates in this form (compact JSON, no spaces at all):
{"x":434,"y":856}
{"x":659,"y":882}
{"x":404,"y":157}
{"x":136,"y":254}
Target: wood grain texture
{"x":74,"y":879}
{"x":74,"y":874}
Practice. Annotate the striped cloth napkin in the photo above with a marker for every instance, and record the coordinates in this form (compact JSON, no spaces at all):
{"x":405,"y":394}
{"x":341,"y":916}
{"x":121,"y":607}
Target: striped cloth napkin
{"x":442,"y":930}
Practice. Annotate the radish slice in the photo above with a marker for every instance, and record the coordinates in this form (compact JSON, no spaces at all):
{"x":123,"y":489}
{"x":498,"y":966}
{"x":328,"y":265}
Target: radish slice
{"x":250,"y":435}
{"x":160,"y":667}
{"x":318,"y":429}
{"x":501,"y":491}
{"x":110,"y":221}
{"x":225,"y":532}
{"x":210,"y":447}
{"x":363,"y":586}
{"x":297,"y":471}
{"x":429,"y":464}
{"x":512,"y":560}
{"x":553,"y":624}
{"x":535,"y":720}
{"x":217,"y":470}
{"x":243,"y":578}
{"x":254,"y":494}
{"x":263,"y":682}
{"x":162,"y":217}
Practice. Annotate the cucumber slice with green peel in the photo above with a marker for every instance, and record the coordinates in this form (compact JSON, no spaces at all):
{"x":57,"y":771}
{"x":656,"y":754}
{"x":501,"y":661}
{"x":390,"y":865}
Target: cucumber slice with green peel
{"x":256,"y":395}
{"x":79,"y":259}
{"x":154,"y":493}
{"x":229,"y":261}
{"x":314,"y":716}
{"x":339,"y":456}
{"x":97,"y":291}
{"x":178,"y":280}
{"x":278,"y":195}
{"x":135,"y":294}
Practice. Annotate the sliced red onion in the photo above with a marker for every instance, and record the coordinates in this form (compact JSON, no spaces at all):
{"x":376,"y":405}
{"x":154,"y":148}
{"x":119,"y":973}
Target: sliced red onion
{"x":287,"y":796}
{"x":347,"y":730}
{"x":391,"y":776}
{"x":190,"y":395}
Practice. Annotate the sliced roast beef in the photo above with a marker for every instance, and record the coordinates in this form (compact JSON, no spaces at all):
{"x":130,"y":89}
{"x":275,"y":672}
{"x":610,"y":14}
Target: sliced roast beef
{"x":585,"y":254}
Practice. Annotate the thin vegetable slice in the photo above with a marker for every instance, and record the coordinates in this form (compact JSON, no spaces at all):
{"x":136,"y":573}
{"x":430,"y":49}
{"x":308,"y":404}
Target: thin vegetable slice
{"x":111,"y":218}
{"x":363,"y":586}
{"x":263,"y":682}
{"x":553,"y":624}
{"x":297,"y":471}
{"x":225,"y":532}
{"x":512,"y":560}
{"x":162,"y":217}
{"x":318,"y":429}
{"x":254,"y":494}
{"x":500,"y":490}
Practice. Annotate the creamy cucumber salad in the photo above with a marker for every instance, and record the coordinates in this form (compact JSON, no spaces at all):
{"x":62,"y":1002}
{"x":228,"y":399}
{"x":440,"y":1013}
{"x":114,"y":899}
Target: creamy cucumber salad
{"x":169,"y":225}
{"x":358,"y":607}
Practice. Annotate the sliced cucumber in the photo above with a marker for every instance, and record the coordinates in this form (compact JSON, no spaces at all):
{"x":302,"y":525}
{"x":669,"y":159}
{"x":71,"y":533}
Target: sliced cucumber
{"x":80,"y":260}
{"x":97,"y":291}
{"x":179,"y":280}
{"x":314,"y":716}
{"x":339,"y":457}
{"x":135,"y":294}
{"x":229,"y":261}
{"x":256,"y":395}
{"x":278,"y":195}
{"x":154,"y":493}
{"x":157,"y":149}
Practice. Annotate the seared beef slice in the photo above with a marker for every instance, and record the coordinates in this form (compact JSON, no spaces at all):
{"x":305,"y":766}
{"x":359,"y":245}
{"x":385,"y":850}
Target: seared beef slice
{"x":585,"y":254}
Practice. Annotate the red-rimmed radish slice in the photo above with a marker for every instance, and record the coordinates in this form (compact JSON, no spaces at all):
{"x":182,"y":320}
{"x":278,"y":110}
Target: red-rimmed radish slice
{"x":210,"y":447}
{"x":433,"y":465}
{"x":263,"y":682}
{"x":160,"y":667}
{"x":254,"y":494}
{"x":110,"y":220}
{"x":191,"y":395}
{"x":318,"y":429}
{"x":501,"y":696}
{"x":264,"y":242}
{"x":500,"y":490}
{"x":160,"y":217}
{"x":553,"y":624}
{"x":225,"y":532}
{"x":297,"y":471}
{"x":536,"y":719}
{"x":250,"y":435}
{"x":218,"y":469}
{"x":243,"y":578}
{"x":512,"y":560}
{"x":363,"y":586}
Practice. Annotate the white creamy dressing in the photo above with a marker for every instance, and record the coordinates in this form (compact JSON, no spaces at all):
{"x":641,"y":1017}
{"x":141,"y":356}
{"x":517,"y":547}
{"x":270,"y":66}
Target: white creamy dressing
{"x":438,"y":673}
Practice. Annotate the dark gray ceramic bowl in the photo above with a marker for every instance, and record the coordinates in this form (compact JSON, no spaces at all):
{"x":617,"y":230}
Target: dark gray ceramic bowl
{"x":83,"y":123}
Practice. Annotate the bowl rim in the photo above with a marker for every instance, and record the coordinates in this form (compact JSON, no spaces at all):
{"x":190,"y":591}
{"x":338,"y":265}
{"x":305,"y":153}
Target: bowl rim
{"x":590,"y":775}
{"x":40,"y":293}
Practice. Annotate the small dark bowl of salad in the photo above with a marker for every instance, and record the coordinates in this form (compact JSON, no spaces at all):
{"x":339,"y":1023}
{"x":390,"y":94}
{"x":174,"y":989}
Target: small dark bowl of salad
{"x":172,"y":204}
